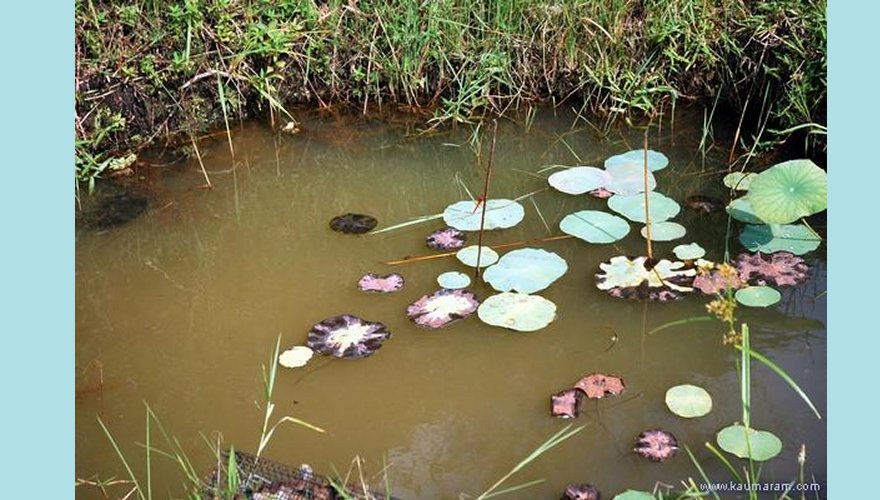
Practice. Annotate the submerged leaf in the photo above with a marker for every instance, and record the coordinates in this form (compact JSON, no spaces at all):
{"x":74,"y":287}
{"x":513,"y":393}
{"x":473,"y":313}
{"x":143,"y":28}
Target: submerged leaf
{"x":688,"y":401}
{"x":500,"y":214}
{"x":789,"y":191}
{"x":579,"y":180}
{"x":580,"y":492}
{"x":517,"y":311}
{"x":594,"y":226}
{"x":526,"y":270}
{"x":442,"y":308}
{"x":353,"y":223}
{"x":740,"y":441}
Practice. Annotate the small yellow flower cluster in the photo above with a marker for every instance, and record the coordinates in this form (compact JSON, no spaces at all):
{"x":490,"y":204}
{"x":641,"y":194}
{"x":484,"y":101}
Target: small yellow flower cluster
{"x":722,"y":308}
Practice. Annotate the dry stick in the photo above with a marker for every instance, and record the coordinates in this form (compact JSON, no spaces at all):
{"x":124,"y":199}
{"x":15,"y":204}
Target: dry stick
{"x":647,"y":209}
{"x":201,"y":164}
{"x":422,"y":258}
{"x":485,"y":198}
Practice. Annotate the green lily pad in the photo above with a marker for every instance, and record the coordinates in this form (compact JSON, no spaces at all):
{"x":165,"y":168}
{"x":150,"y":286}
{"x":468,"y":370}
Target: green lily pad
{"x":526,"y":270}
{"x":739,"y":181}
{"x":656,"y":159}
{"x":629,"y":178}
{"x":688,"y":401}
{"x":517,"y":311}
{"x":633,"y":206}
{"x":500,"y":214}
{"x":664,"y":231}
{"x":740,"y":441}
{"x":454,"y":280}
{"x":795,"y":238}
{"x":633,"y":495}
{"x":579,"y":180}
{"x":757,"y":296}
{"x":691,"y":251}
{"x":468,"y":256}
{"x":594,"y":226}
{"x":788,"y":191}
{"x":741,"y":210}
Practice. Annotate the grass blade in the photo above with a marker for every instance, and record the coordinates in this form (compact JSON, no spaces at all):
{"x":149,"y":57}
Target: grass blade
{"x":784,"y":376}
{"x":745,"y":384}
{"x":694,"y":319}
{"x":514,"y":488}
{"x":125,"y":464}
{"x":417,"y":220}
{"x":700,"y":470}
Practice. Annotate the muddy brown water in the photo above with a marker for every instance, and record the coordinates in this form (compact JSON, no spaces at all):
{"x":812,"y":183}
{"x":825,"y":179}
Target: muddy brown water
{"x":180,"y":307}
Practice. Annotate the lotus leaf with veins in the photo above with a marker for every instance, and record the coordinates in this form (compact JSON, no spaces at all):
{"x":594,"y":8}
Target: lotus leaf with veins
{"x":780,"y":268}
{"x":656,"y":445}
{"x":347,"y":336}
{"x":442,"y":308}
{"x":634,"y":278}
{"x":447,"y":238}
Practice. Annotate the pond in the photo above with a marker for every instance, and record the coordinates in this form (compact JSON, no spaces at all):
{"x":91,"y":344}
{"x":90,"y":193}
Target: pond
{"x":180,"y":307}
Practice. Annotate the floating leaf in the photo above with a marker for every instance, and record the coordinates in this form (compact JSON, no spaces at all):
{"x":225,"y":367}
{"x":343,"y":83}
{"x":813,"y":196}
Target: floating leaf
{"x":601,"y":193}
{"x":757,"y":296}
{"x":380,"y":284}
{"x":634,"y":278}
{"x":597,"y":385}
{"x":780,"y":269}
{"x":594,"y":226}
{"x":527,"y":270}
{"x":741,"y":210}
{"x":353,"y":223}
{"x":691,"y":251}
{"x":795,"y":238}
{"x":442,"y":308}
{"x":580,"y":492}
{"x":468,"y":256}
{"x":656,"y":159}
{"x":295,"y":357}
{"x":453,"y":280}
{"x":566,"y":404}
{"x":579,"y":180}
{"x":739,"y":440}
{"x":633,"y":495}
{"x":517,"y":311}
{"x":447,"y":238}
{"x":629,"y":179}
{"x":347,"y":336}
{"x":688,"y":401}
{"x":788,"y":191}
{"x":500,"y":214}
{"x":738,"y":180}
{"x":656,"y":445}
{"x":664,"y":231}
{"x":633,"y":206}
{"x":716,"y":278}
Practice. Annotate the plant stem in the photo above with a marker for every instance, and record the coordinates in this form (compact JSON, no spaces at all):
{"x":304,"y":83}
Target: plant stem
{"x":647,"y":207}
{"x":485,"y":197}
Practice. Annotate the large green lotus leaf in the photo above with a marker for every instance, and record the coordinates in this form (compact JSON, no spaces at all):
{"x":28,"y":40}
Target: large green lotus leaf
{"x":454,"y":280}
{"x":468,"y":256}
{"x":739,"y":181}
{"x":757,"y":296}
{"x":664,"y":231}
{"x":633,"y":495}
{"x":628,"y":179}
{"x":526,"y":270}
{"x":740,"y":440}
{"x":594,"y":226}
{"x":795,"y":238}
{"x":633,"y":206}
{"x":579,"y":180}
{"x":691,"y":251}
{"x":656,"y":159}
{"x":741,"y":210}
{"x":517,"y":311}
{"x":788,"y":191}
{"x":688,"y":401}
{"x":500,"y":214}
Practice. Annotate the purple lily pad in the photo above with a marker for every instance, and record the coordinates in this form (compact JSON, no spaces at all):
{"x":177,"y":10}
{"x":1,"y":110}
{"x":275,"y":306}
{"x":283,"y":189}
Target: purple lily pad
{"x":347,"y":336}
{"x":597,"y":385}
{"x":714,"y":281}
{"x":353,"y":223}
{"x":447,"y":238}
{"x":656,"y":445}
{"x":566,"y":404}
{"x":580,"y":492}
{"x":442,"y":308}
{"x":380,"y":284}
{"x":779,"y":268}
{"x":600,"y":193}
{"x":644,"y":278}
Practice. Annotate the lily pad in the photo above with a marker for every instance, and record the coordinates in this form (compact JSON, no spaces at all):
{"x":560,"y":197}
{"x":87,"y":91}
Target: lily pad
{"x":597,"y":385}
{"x":795,"y":238}
{"x":442,"y":308}
{"x":353,"y":223}
{"x":566,"y":404}
{"x":295,"y":357}
{"x":739,"y":181}
{"x":579,"y":180}
{"x":716,"y":278}
{"x":517,"y":311}
{"x":468,"y":256}
{"x":601,"y":193}
{"x":347,"y":336}
{"x":740,"y":440}
{"x":780,"y":269}
{"x":580,"y":491}
{"x":453,"y":280}
{"x":640,"y":278}
{"x":633,"y":206}
{"x":656,"y":159}
{"x":656,"y":445}
{"x":741,"y":210}
{"x":594,"y":226}
{"x":380,"y":284}
{"x":664,"y":231}
{"x":500,"y":214}
{"x":527,"y":270}
{"x":757,"y":296}
{"x":691,"y":251}
{"x":688,"y":401}
{"x":447,"y":238}
{"x":629,"y":179}
{"x":633,"y":495}
{"x":788,"y":191}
